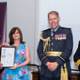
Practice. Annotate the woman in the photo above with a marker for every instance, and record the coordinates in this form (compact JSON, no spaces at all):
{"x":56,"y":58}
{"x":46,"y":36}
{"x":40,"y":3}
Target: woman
{"x":19,"y":71}
{"x":77,"y":58}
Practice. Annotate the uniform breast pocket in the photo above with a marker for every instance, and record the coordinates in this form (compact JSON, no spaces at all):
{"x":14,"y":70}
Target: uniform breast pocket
{"x":61,"y":43}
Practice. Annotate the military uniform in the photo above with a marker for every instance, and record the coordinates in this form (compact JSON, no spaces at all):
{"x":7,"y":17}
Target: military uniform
{"x":77,"y":58}
{"x":58,"y":49}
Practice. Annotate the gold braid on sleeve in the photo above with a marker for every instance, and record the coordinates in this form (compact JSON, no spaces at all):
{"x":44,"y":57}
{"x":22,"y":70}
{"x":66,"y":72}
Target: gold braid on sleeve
{"x":77,"y":63}
{"x":45,"y":42}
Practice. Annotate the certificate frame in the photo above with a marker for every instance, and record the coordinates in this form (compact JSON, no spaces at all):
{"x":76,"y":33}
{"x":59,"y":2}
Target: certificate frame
{"x":7,"y":56}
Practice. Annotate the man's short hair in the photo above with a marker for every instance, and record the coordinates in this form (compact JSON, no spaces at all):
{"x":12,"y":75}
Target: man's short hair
{"x":53,"y":12}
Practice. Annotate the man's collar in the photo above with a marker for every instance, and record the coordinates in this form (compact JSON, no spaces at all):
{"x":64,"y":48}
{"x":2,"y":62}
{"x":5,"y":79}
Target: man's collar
{"x":54,"y":30}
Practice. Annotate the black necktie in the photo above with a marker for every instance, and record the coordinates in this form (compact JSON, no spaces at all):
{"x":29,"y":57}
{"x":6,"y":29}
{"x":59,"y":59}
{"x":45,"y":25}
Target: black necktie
{"x":53,"y":33}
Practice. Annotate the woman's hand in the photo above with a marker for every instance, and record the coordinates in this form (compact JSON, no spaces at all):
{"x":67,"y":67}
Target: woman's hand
{"x":1,"y":65}
{"x":14,"y":67}
{"x":4,"y":44}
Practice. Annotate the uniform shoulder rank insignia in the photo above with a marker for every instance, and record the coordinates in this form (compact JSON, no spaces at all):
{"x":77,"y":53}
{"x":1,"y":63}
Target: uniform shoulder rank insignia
{"x":66,"y":27}
{"x":45,"y":30}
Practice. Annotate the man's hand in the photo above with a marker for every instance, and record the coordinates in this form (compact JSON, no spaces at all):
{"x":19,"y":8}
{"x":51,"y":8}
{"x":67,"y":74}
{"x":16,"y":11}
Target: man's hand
{"x":53,"y":66}
{"x":48,"y":64}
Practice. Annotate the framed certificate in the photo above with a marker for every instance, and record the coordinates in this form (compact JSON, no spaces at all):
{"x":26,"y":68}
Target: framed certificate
{"x":7,"y":56}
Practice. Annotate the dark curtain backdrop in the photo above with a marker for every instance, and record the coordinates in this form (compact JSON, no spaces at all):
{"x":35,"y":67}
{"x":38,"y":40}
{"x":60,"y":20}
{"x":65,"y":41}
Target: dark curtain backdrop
{"x":3,"y":21}
{"x":3,"y":26}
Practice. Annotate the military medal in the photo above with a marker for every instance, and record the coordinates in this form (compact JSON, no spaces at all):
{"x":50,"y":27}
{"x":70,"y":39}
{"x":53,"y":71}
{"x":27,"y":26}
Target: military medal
{"x":64,"y":36}
{"x":60,"y":36}
{"x":56,"y":37}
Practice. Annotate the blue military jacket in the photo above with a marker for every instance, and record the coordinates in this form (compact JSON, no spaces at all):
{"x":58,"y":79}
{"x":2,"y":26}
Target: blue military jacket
{"x":56,"y":44}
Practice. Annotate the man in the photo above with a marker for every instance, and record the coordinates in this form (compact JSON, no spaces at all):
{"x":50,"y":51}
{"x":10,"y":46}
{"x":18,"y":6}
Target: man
{"x":54,"y":49}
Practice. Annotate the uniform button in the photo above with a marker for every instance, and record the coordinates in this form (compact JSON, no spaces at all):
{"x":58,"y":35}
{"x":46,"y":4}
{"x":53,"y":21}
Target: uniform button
{"x":51,"y":49}
{"x":51,"y":43}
